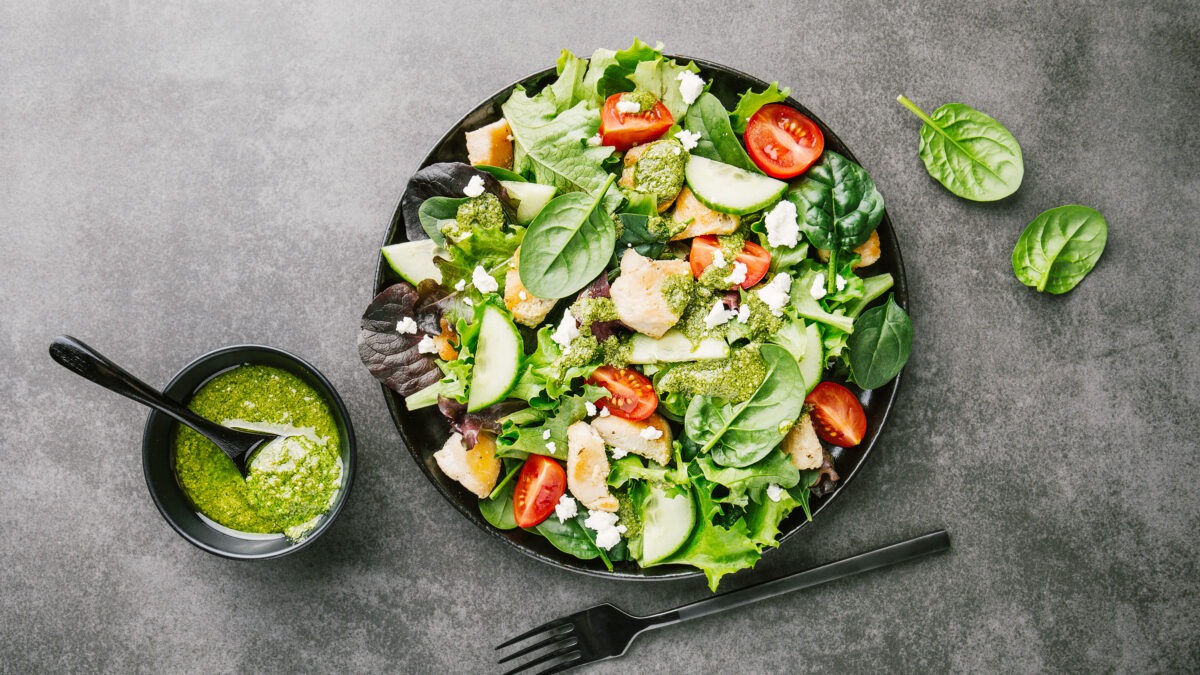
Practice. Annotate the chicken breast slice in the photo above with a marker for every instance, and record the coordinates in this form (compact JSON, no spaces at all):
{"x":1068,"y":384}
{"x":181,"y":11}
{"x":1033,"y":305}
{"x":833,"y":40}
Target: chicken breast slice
{"x":704,"y":220}
{"x":638,"y":296}
{"x":491,"y":145}
{"x":476,"y":469}
{"x":632,"y":436}
{"x":802,"y":444}
{"x":868,"y":251}
{"x":526,"y":307}
{"x":587,"y":468}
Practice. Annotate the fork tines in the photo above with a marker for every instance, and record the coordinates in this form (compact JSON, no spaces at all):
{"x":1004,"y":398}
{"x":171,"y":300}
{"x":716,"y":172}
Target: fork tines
{"x":560,"y":639}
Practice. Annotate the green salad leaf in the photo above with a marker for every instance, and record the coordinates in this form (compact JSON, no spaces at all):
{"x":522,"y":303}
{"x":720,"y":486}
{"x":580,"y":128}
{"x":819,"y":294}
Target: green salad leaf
{"x":1058,"y":249}
{"x":661,"y":78}
{"x":880,"y":344}
{"x":569,"y":89}
{"x":764,"y":516}
{"x":971,"y":154}
{"x":740,"y":434}
{"x":750,"y":102}
{"x":497,"y":509}
{"x":775,"y":468}
{"x":613,"y":69}
{"x":437,"y":210}
{"x":717,"y":142}
{"x":714,"y":549}
{"x":567,"y":245}
{"x":803,"y":304}
{"x":570,"y":536}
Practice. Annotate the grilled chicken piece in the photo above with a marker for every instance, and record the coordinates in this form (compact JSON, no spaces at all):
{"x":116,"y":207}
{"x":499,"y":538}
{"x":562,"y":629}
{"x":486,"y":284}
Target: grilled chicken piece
{"x":704,"y":220}
{"x":802,"y":445}
{"x":526,"y":307}
{"x":627,"y":435}
{"x":477,"y":469}
{"x":587,"y":468}
{"x":868,"y":251}
{"x":638,"y":293}
{"x":627,"y":180}
{"x":491,"y":145}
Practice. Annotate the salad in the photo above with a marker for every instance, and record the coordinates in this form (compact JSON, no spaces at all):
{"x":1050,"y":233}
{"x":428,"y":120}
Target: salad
{"x":638,"y":310}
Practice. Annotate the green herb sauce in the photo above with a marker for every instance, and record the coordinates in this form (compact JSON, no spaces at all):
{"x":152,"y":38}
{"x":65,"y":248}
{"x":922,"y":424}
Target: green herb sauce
{"x":677,"y":291}
{"x":643,"y":98}
{"x":483,"y":212}
{"x":292,"y":481}
{"x":734,"y":378}
{"x":659,"y":169}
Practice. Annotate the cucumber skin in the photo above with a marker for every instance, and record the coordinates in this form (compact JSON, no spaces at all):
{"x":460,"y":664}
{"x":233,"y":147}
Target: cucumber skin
{"x":472,"y":404}
{"x":812,"y":365}
{"x":413,"y":247}
{"x":721,"y":208}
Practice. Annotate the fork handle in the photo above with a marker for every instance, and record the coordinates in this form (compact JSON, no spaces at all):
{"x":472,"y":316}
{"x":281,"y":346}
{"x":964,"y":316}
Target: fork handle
{"x":926,"y":544}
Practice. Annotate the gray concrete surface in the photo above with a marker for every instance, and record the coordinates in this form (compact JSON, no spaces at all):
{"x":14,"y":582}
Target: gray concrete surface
{"x":179,"y":176}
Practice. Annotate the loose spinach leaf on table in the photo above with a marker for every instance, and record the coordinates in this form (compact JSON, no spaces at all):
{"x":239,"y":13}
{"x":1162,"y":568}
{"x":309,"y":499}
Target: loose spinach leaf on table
{"x":880,"y":344}
{"x":567,"y":244}
{"x":709,"y":118}
{"x":1058,"y":249}
{"x":971,"y":154}
{"x":750,"y":102}
{"x":740,"y":434}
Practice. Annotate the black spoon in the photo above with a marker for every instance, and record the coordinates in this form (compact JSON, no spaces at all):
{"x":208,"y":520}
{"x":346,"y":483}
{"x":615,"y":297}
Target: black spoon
{"x":81,"y":359}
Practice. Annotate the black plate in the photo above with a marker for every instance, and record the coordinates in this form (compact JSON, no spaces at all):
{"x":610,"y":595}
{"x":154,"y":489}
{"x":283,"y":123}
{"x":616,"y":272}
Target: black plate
{"x":424,"y":431}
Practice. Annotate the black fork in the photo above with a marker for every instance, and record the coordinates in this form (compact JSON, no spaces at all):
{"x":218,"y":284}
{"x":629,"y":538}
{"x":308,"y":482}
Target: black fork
{"x":605,"y":632}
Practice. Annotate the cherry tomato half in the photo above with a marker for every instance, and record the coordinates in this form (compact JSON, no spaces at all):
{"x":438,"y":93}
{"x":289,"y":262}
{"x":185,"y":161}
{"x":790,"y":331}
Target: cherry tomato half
{"x":540,"y":485}
{"x":837,"y":416}
{"x":756,"y":258}
{"x":782,"y":142}
{"x":625,"y":130}
{"x":631,"y":395}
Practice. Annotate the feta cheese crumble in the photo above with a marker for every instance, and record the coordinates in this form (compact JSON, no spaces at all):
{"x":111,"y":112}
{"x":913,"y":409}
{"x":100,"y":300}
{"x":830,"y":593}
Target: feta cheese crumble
{"x":782,"y":228}
{"x":840,"y":282}
{"x":718,"y":259}
{"x":618,"y":453}
{"x":608,"y":532}
{"x":546,"y":435}
{"x":483,"y":281}
{"x":690,"y":86}
{"x":738,"y":275}
{"x":743,"y":313}
{"x":628,"y":107}
{"x":818,"y":287}
{"x":718,"y":315}
{"x":774,"y":492}
{"x":689,"y":139}
{"x":595,"y":141}
{"x":551,"y":447}
{"x":650,"y":433}
{"x":468,"y":302}
{"x":474,"y":187}
{"x":460,"y":284}
{"x":604,"y":412}
{"x":590,"y":408}
{"x":406,"y":326}
{"x":426,"y":346}
{"x":566,"y":508}
{"x":566,"y":330}
{"x":776,"y":294}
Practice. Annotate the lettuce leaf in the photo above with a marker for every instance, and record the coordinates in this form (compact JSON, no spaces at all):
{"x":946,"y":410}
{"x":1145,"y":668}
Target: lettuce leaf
{"x":661,"y":78}
{"x":775,"y":468}
{"x":716,"y":550}
{"x":519,"y":438}
{"x":750,"y":102}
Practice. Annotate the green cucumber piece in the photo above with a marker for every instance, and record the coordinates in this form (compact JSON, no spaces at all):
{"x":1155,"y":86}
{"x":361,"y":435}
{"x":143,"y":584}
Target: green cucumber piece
{"x":413,"y":260}
{"x":812,"y":365}
{"x":673,"y":347}
{"x":531,"y":198}
{"x":728,"y":189}
{"x":497,"y":359}
{"x":666,"y":523}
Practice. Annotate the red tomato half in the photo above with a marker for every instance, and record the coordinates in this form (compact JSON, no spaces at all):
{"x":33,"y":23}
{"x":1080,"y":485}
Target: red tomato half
{"x":625,"y":130}
{"x":756,"y":258}
{"x":782,"y":142}
{"x":630,"y":394}
{"x":837,"y":416}
{"x":540,"y":485}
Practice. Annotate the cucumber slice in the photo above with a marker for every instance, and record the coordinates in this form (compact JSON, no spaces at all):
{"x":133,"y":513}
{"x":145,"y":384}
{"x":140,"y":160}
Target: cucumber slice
{"x":673,"y":347}
{"x":812,"y":366}
{"x":728,"y":189}
{"x":413,"y":260}
{"x":666,"y":523}
{"x":531,"y":198}
{"x":497,"y":359}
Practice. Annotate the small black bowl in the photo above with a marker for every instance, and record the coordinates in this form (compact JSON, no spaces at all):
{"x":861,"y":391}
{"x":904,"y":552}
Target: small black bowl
{"x":158,"y":458}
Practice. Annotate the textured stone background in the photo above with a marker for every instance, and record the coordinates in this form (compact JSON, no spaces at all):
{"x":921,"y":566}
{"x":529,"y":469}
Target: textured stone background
{"x":182,"y":176}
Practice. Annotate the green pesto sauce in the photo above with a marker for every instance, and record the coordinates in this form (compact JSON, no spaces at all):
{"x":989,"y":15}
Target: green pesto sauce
{"x":292,"y":481}
{"x":589,"y":310}
{"x":677,"y":291}
{"x":616,"y":351}
{"x":659,"y":169}
{"x":643,"y":98}
{"x":627,"y":514}
{"x":714,"y":276}
{"x":734,"y":378}
{"x":583,"y":350}
{"x":663,"y":229}
{"x":692,"y":323}
{"x":482,"y":212}
{"x":762,"y":324}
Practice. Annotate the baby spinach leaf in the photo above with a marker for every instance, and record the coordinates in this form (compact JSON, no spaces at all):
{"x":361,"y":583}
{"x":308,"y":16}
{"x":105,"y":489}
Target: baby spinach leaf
{"x":838,"y":204}
{"x":750,"y":102}
{"x":501,"y":173}
{"x":569,"y":536}
{"x":497,"y":509}
{"x":971,"y":154}
{"x":1058,"y":249}
{"x":567,"y":244}
{"x":741,"y":434}
{"x":709,"y":118}
{"x":880,"y":344}
{"x":436,"y":210}
{"x":635,"y":232}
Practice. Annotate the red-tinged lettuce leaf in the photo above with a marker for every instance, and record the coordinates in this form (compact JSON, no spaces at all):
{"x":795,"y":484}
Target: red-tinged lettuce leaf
{"x":470,"y":424}
{"x":391,"y":356}
{"x":600,"y":288}
{"x":444,"y":179}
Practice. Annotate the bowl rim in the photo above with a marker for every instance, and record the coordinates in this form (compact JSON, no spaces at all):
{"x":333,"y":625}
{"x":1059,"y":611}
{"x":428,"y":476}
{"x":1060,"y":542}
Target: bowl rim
{"x":340,"y":411}
{"x":664,"y":573}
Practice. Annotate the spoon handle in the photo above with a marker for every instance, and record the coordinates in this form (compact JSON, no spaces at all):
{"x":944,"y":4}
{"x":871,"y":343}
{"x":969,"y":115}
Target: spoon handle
{"x":79,"y":358}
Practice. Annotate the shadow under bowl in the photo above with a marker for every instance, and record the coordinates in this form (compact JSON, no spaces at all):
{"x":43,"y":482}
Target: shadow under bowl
{"x":158,"y":456}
